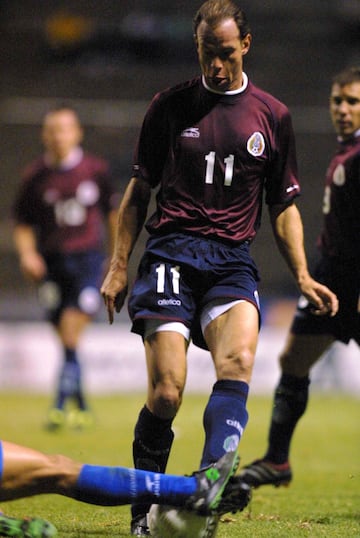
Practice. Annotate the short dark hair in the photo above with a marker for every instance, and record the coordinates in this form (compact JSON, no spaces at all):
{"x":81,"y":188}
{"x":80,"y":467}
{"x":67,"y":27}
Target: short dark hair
{"x":215,"y":11}
{"x":347,"y":76}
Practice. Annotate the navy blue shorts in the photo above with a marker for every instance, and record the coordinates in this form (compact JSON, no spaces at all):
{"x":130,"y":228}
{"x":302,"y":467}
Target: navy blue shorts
{"x":179,"y":274}
{"x":343,"y":278}
{"x":73,"y":280}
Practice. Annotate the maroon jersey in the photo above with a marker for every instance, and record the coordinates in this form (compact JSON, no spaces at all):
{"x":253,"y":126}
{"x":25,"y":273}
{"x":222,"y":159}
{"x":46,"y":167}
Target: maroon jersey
{"x":213,"y":156}
{"x":341,"y":230}
{"x":66,"y":206}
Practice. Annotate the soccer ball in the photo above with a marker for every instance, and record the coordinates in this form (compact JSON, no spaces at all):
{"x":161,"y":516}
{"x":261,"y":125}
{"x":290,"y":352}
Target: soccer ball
{"x":172,"y":522}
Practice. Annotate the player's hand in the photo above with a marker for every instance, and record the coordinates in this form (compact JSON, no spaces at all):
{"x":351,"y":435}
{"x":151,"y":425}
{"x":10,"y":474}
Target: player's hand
{"x":114,"y":291}
{"x":324,"y":301}
{"x":33,"y":266}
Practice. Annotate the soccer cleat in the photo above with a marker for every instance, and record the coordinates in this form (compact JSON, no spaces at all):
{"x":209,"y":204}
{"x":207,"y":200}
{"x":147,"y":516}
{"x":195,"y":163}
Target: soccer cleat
{"x":211,"y":483}
{"x":139,"y":526}
{"x":26,"y":528}
{"x":261,"y":472}
{"x":55,"y":419}
{"x":237,"y":495}
{"x":80,"y":419}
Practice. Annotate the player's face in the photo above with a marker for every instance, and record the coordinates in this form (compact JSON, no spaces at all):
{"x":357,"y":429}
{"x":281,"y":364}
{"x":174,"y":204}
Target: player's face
{"x":221,"y":52}
{"x":61,"y":132}
{"x":345,"y":108}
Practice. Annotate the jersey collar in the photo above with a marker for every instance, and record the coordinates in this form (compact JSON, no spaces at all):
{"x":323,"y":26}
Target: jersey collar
{"x":231,"y":92}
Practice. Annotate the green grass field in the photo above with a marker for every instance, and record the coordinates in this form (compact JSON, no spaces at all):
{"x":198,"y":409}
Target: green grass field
{"x":323,"y":500}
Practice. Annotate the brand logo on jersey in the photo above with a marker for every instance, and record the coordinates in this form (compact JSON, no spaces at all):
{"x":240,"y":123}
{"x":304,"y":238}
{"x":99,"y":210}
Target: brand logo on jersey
{"x":292,"y":188}
{"x":339,"y":175}
{"x":169,"y":302}
{"x":191,"y":132}
{"x":256,"y":144}
{"x":87,"y":193}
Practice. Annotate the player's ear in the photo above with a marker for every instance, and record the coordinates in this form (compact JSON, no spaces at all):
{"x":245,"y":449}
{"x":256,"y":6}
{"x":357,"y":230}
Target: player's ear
{"x":245,"y":44}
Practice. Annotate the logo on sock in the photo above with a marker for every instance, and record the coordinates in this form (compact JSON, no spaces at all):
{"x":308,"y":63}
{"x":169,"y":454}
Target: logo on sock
{"x":236,"y":424}
{"x":153,"y":485}
{"x":231,"y":443}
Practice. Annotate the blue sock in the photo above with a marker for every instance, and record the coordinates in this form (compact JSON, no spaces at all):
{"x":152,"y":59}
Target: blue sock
{"x":225,"y":418}
{"x":112,"y":486}
{"x":70,"y":381}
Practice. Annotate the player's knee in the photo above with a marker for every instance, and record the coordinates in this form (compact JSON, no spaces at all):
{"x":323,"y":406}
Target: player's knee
{"x":167,"y":400}
{"x":64,"y":471}
{"x":236,"y":365}
{"x":285,"y":361}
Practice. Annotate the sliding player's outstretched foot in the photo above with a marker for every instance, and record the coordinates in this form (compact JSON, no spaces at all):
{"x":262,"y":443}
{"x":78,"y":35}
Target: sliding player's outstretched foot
{"x":236,"y":496}
{"x":26,"y":528}
{"x":211,"y":483}
{"x":261,"y":472}
{"x":139,"y":526}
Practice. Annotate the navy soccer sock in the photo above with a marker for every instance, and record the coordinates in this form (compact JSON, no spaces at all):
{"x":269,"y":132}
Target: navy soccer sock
{"x":225,"y":418}
{"x":111,"y":486}
{"x":70,"y":381}
{"x":290,"y":401}
{"x":151,"y":447}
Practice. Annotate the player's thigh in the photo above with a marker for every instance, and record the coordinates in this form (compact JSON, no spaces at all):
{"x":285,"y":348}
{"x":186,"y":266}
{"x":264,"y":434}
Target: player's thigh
{"x":302,"y":351}
{"x":232,"y":339}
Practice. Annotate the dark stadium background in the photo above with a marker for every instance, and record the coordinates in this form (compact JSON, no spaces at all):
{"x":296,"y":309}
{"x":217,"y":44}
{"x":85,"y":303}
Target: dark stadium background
{"x":110,"y":57}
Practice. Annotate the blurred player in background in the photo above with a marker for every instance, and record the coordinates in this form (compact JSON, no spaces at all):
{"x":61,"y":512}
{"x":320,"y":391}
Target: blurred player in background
{"x":25,"y":472}
{"x":212,"y":145}
{"x":339,"y":268}
{"x":63,"y":211}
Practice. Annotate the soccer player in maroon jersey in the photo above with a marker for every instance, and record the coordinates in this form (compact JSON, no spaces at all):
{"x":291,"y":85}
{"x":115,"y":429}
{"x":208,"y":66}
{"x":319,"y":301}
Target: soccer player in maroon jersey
{"x":338,"y":268}
{"x":63,"y":211}
{"x":25,"y":472}
{"x":212,"y":146}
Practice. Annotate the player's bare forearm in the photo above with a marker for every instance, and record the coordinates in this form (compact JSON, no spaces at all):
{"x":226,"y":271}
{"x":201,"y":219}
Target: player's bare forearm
{"x":31,"y":261}
{"x":289,"y":235}
{"x":288,"y":231}
{"x":130,"y":220}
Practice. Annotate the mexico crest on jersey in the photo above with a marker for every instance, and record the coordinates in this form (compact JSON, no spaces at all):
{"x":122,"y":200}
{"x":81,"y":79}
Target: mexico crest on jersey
{"x":256,"y":144}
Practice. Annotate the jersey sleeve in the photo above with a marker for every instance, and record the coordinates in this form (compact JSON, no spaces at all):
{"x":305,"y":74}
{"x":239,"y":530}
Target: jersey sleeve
{"x":23,"y":210}
{"x":110,"y":196}
{"x":153,"y":144}
{"x":282,"y":184}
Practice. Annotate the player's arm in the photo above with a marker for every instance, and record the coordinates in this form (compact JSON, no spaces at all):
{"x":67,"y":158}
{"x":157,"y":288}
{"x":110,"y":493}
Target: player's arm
{"x":130,"y":220}
{"x":31,"y":261}
{"x":112,"y":220}
{"x":288,"y":231}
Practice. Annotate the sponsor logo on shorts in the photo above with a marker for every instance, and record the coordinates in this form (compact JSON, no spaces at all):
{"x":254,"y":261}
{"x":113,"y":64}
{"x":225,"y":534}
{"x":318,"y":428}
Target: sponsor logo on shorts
{"x":169,"y":302}
{"x":49,"y":295}
{"x":303,"y":302}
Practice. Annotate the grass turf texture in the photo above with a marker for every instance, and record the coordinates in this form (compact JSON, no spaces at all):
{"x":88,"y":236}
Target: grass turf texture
{"x":322,"y":501}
